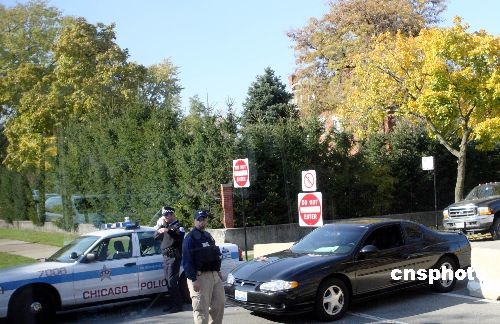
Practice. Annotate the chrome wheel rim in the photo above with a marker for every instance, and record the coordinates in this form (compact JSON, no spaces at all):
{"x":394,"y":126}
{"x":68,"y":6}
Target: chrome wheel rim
{"x":333,"y":300}
{"x":448,"y":281}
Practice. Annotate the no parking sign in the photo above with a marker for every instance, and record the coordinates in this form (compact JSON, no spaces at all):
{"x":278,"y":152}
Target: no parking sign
{"x":310,"y":209}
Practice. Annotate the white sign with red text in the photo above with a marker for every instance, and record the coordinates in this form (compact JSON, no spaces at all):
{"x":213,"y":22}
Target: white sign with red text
{"x":310,"y":209}
{"x":241,"y":173}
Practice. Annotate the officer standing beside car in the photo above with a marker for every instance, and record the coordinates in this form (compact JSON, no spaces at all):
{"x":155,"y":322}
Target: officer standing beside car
{"x":171,"y":233}
{"x":201,"y":260}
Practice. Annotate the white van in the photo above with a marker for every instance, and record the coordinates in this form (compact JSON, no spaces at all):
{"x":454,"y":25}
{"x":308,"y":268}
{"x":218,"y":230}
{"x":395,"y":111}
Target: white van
{"x":85,"y":209}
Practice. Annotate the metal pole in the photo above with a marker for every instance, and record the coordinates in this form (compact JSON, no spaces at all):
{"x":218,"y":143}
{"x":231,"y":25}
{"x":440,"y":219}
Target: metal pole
{"x":244,"y":222}
{"x":245,"y":231}
{"x":435,"y":198}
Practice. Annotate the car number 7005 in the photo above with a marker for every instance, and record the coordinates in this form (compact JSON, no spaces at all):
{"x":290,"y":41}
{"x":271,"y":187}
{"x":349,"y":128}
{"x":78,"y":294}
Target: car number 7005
{"x":240,"y":295}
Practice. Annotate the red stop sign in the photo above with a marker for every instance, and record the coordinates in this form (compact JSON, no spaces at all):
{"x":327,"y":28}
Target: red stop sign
{"x":310,"y":209}
{"x":241,"y":173}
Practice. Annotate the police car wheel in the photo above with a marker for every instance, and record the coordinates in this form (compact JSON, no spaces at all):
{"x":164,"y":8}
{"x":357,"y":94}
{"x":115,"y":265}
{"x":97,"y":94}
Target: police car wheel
{"x":33,"y":305}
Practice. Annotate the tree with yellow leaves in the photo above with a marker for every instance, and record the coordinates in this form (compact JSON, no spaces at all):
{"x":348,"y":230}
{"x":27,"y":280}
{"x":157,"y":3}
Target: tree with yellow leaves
{"x":447,"y":78}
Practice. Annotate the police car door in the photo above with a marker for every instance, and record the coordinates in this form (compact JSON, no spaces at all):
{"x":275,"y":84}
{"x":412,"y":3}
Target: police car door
{"x":150,"y":264}
{"x":113,"y":274}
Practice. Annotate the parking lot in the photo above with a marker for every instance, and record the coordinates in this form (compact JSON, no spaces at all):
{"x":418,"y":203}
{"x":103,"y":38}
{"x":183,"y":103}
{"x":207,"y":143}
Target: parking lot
{"x":420,"y":305}
{"x":415,"y":306}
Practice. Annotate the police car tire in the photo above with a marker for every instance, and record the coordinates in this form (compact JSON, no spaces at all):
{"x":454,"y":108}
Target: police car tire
{"x":186,"y":297}
{"x":21,"y":311}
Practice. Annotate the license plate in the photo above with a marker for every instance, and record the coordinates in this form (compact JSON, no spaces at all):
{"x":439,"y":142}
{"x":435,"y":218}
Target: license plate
{"x":459,"y":225}
{"x":240,"y":295}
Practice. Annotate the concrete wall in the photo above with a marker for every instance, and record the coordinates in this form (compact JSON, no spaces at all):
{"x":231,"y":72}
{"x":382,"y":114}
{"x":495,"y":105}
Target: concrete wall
{"x":293,"y":232}
{"x":47,"y":227}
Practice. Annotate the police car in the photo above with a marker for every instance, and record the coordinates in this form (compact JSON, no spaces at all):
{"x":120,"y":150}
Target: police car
{"x":115,"y":264}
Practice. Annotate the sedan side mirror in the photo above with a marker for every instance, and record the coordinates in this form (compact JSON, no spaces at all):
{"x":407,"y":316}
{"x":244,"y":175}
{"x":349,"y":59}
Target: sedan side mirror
{"x":89,"y":258}
{"x":369,"y":250}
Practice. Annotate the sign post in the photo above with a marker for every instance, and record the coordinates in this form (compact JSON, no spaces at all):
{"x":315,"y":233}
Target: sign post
{"x":241,"y":179}
{"x":310,"y":209}
{"x":428,"y":164}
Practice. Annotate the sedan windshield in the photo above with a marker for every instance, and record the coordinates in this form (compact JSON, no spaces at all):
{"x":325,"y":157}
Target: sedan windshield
{"x":331,"y":239}
{"x":70,"y":252}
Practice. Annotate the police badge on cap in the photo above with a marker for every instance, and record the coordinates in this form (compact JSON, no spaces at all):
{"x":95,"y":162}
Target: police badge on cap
{"x":165,"y":210}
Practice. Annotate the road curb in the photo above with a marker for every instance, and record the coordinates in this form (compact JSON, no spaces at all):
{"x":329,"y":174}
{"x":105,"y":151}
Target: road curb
{"x":486,"y":283}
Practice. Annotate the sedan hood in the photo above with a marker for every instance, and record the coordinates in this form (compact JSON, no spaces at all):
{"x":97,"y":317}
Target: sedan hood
{"x":282,"y":265}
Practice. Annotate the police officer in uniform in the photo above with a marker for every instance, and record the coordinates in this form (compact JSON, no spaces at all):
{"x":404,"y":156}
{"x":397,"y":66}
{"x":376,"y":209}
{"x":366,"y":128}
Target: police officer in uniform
{"x":171,"y":233}
{"x":201,"y":260}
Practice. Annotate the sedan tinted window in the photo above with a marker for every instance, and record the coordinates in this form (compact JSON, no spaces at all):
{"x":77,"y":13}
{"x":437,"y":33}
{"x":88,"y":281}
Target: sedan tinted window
{"x":413,"y":233}
{"x":384,"y":238}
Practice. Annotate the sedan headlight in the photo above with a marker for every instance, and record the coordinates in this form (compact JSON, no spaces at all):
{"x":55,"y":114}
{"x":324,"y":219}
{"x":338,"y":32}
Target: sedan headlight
{"x":230,"y":279}
{"x":277,"y":285}
{"x":445,"y":213}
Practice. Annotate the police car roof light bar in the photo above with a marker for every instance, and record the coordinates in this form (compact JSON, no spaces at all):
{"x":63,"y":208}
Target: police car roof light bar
{"x":127,"y":225}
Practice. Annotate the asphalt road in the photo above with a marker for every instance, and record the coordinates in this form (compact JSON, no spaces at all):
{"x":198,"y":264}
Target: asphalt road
{"x":415,"y":306}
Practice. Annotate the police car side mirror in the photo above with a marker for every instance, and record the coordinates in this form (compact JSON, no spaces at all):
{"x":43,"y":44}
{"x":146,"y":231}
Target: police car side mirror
{"x":90,"y":257}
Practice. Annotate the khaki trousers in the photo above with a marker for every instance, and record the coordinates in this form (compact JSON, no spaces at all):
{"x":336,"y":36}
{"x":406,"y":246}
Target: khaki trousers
{"x":208,"y":303}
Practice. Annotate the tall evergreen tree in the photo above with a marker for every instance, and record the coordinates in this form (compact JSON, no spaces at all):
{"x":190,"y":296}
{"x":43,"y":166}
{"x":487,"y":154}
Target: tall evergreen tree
{"x":268,"y":100}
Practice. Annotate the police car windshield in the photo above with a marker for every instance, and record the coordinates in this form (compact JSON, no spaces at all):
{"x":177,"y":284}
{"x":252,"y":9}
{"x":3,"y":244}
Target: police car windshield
{"x":75,"y":248}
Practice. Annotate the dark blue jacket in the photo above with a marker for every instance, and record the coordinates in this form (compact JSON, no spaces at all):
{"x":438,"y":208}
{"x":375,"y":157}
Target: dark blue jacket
{"x":197,"y":245}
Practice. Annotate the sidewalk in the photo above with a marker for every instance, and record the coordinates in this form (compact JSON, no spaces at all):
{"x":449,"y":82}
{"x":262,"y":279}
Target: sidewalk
{"x":27,"y":249}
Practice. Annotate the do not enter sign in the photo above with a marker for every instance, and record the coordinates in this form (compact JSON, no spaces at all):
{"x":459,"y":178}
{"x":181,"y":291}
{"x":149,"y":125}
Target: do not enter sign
{"x":310,"y":209}
{"x":241,"y":173}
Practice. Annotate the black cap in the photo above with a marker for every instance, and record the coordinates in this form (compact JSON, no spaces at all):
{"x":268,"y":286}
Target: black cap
{"x":200,"y":213}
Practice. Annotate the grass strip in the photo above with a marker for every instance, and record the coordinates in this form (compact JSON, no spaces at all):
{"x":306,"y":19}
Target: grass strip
{"x":12,"y":260}
{"x":49,"y":238}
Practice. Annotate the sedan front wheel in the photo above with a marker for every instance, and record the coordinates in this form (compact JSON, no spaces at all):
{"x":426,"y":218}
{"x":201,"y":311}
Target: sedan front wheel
{"x":332,"y":300}
{"x":447,"y":283}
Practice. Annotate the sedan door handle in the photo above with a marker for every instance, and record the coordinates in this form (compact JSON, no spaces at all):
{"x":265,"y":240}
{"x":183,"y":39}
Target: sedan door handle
{"x":131,"y":264}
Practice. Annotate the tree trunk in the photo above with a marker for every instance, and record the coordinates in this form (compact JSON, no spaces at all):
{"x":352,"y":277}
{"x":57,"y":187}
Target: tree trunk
{"x":461,"y":159}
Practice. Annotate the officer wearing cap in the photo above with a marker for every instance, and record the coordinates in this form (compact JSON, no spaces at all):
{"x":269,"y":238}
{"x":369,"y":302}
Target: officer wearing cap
{"x":171,"y":233}
{"x":201,"y":260}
